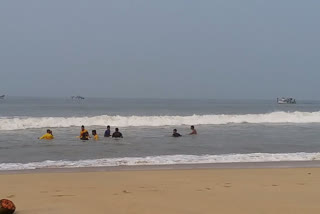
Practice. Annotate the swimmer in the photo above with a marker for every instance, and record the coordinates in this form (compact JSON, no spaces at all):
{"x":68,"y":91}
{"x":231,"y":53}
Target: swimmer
{"x":107,"y":133}
{"x":95,"y":135}
{"x":82,"y":132}
{"x":85,"y":136}
{"x":193,"y":131}
{"x":117,"y":134}
{"x":175,"y":133}
{"x":47,"y":136}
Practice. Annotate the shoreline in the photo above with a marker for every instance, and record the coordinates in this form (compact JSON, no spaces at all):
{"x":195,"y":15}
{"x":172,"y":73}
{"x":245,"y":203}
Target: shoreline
{"x":198,"y":166}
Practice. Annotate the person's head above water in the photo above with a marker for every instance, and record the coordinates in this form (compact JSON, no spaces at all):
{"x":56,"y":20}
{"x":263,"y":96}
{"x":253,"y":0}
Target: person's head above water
{"x":48,"y":131}
{"x":193,"y":131}
{"x":94,"y":132}
{"x":108,"y":127}
{"x":82,"y":127}
{"x":174,"y":130}
{"x":117,"y":129}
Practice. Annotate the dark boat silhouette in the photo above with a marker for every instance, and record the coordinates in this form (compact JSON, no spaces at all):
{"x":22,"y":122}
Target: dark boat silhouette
{"x":77,"y":97}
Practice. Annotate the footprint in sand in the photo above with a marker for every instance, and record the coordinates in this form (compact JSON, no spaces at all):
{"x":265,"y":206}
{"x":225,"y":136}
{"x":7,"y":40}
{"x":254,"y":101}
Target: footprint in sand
{"x":205,"y":189}
{"x":227,"y":185}
{"x":150,"y":189}
{"x":62,"y":195}
{"x":11,"y":196}
{"x":126,"y":192}
{"x":274,"y":185}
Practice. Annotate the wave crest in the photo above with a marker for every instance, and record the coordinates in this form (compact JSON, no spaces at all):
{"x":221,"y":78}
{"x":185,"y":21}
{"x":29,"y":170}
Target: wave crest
{"x":16,"y":123}
{"x":165,"y":160}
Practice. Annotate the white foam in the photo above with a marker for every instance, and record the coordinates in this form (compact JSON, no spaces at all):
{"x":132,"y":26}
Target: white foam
{"x":15,"y":123}
{"x":164,"y":160}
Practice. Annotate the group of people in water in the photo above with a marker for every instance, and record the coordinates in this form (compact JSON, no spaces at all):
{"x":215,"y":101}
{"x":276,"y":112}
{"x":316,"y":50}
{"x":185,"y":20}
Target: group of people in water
{"x":84,"y":134}
{"x":176,"y":134}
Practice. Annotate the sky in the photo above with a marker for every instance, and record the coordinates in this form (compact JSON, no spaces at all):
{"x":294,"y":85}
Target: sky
{"x":160,"y":49}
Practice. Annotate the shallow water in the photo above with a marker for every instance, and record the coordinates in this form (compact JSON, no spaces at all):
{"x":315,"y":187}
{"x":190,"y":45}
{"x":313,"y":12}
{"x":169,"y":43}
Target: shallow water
{"x":252,"y":129}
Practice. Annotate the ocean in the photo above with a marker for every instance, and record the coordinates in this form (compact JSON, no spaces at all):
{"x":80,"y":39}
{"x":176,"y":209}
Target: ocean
{"x":229,"y":131}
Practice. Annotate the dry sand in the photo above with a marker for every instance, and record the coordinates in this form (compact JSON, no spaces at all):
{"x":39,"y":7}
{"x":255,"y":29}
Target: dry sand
{"x":244,"y":191}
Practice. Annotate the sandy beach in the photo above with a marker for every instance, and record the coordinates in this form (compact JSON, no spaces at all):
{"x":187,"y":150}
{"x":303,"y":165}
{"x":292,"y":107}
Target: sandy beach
{"x":291,"y":190}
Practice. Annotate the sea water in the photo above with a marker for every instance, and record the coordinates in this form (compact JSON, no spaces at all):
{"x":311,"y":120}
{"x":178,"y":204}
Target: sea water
{"x":229,"y":131}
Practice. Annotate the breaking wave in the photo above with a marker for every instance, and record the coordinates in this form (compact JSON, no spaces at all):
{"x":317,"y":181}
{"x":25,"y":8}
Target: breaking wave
{"x":15,"y":123}
{"x":164,"y":160}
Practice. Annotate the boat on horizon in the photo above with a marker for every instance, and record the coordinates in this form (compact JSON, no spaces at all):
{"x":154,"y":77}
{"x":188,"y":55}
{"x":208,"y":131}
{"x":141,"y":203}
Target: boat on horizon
{"x":77,"y":97}
{"x":286,"y":100}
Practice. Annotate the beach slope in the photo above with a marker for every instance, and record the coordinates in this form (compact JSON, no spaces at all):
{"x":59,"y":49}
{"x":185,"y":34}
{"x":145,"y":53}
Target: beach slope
{"x":223,"y":191}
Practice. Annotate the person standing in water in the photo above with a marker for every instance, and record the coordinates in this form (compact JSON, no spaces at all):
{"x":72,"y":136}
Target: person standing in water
{"x":175,"y":133}
{"x":84,"y":134}
{"x":193,"y":131}
{"x":117,"y":134}
{"x":47,"y":136}
{"x":107,"y":133}
{"x":95,"y":135}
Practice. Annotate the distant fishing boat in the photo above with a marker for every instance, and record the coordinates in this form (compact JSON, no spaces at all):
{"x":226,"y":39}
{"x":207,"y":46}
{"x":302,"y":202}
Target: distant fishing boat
{"x":288,"y":100}
{"x":2,"y":96}
{"x":77,"y":98}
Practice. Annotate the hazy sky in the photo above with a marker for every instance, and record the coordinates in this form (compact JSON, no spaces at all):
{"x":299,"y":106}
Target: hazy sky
{"x":161,"y":49}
